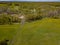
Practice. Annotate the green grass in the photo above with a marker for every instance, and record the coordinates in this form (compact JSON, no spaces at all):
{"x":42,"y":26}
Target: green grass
{"x":41,"y":32}
{"x":7,"y":31}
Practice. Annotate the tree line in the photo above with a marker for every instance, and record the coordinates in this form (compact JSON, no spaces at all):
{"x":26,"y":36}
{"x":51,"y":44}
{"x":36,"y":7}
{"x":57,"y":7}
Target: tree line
{"x":10,"y":13}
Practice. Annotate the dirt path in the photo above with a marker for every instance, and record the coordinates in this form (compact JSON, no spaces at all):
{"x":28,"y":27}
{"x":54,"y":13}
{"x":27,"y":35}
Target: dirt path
{"x":16,"y":38}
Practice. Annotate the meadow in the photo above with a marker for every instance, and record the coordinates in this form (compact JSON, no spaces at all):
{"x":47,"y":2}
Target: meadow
{"x":40,"y":32}
{"x":7,"y":31}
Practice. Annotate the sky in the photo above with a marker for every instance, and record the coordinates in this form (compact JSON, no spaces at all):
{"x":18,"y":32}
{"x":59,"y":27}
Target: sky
{"x":32,"y":0}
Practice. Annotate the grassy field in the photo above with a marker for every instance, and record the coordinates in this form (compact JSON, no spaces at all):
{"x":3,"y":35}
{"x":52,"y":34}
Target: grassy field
{"x":40,"y":32}
{"x":7,"y":31}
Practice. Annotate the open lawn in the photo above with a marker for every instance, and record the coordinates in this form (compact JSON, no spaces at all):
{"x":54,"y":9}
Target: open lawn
{"x":40,"y":32}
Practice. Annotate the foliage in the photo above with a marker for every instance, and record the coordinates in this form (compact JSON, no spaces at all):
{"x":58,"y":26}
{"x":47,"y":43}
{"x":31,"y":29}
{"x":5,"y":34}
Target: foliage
{"x":5,"y":19}
{"x":10,"y":12}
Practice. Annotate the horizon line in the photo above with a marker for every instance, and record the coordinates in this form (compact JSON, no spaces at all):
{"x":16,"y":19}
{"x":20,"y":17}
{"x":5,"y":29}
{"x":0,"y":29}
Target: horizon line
{"x":29,"y":1}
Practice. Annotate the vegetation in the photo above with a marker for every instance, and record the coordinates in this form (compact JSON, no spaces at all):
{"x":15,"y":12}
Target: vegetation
{"x":40,"y":32}
{"x":10,"y":12}
{"x":42,"y":27}
{"x":7,"y":31}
